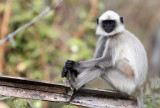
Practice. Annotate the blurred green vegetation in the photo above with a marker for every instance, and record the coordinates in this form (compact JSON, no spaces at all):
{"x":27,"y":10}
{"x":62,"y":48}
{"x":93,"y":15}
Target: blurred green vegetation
{"x":67,"y":32}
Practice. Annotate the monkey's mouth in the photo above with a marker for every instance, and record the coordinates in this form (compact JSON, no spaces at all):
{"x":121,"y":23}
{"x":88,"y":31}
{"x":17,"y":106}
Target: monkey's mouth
{"x":108,"y":30}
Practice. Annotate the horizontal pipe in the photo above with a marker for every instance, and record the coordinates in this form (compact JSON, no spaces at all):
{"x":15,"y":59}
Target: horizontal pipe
{"x":55,"y":92}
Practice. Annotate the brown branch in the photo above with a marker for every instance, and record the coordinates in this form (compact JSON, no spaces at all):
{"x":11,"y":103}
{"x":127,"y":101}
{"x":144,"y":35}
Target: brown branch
{"x":45,"y":12}
{"x":42,"y":56}
{"x":61,"y":93}
{"x":3,"y":32}
{"x":91,"y":15}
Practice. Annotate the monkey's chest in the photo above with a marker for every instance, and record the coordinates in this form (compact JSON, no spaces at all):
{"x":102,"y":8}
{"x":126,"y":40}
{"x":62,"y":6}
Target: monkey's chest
{"x":111,"y":48}
{"x":105,"y":48}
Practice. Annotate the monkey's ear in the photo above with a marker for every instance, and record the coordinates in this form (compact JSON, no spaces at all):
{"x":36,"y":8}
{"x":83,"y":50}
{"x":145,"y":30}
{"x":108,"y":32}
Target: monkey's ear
{"x":97,"y":21}
{"x":121,"y":19}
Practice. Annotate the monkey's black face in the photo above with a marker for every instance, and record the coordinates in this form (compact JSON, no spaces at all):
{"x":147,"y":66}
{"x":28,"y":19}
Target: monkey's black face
{"x":108,"y":25}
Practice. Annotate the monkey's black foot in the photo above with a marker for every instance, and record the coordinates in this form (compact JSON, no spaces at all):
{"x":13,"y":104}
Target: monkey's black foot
{"x":64,"y":72}
{"x":75,"y":72}
{"x":69,"y":64}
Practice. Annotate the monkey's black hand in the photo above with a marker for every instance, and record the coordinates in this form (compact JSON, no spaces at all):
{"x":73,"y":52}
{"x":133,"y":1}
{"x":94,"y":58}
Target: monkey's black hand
{"x":69,"y":64}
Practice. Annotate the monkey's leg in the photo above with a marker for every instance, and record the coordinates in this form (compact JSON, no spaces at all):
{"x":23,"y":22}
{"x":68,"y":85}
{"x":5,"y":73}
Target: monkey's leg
{"x":121,"y":77}
{"x":84,"y":77}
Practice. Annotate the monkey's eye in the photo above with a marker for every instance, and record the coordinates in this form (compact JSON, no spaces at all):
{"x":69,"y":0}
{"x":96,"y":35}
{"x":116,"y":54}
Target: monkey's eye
{"x":112,"y":23}
{"x":105,"y":22}
{"x":109,"y":22}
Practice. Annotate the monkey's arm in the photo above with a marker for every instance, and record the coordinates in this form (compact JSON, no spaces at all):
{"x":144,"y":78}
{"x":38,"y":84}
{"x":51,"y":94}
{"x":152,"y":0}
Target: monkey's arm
{"x":103,"y":62}
{"x":100,"y":46}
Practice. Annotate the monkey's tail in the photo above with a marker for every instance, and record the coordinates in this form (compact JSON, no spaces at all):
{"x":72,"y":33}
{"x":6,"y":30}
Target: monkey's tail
{"x":140,"y":98}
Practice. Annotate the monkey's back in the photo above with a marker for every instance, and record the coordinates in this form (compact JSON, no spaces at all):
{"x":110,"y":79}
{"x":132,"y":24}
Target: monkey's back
{"x":127,"y":46}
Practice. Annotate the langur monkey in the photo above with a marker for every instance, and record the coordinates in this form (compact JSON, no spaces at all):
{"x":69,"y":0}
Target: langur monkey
{"x":120,"y":58}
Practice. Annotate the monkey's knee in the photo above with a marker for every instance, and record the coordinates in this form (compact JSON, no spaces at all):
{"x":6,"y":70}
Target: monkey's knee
{"x":119,"y":81}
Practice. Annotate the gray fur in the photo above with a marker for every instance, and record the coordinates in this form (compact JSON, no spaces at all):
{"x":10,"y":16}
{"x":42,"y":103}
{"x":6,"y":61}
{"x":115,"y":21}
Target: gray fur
{"x":121,"y":46}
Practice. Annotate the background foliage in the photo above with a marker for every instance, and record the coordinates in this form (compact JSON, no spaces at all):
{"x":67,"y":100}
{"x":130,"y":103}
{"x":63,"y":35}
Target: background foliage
{"x":68,"y":32}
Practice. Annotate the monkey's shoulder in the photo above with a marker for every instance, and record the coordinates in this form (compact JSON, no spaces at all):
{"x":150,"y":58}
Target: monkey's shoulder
{"x":124,"y":37}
